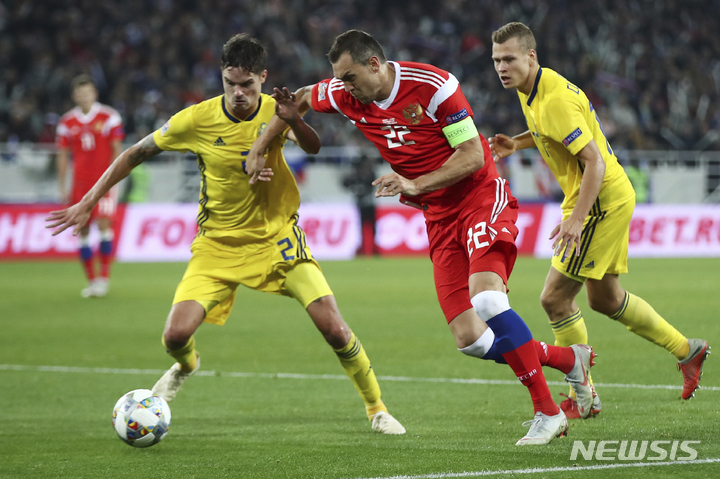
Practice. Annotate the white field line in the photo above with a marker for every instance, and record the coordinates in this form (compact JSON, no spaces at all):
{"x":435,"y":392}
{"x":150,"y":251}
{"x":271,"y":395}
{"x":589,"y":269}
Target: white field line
{"x":448,"y":475}
{"x":155,"y":372}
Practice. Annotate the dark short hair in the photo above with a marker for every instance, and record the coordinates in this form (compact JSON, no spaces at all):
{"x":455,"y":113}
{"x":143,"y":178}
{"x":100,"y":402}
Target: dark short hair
{"x":515,"y":30}
{"x":243,"y":51}
{"x":82,"y":80}
{"x":360,"y":45}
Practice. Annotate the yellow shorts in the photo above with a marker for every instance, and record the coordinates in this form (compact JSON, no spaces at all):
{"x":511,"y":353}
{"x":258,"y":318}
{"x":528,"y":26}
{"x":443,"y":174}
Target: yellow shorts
{"x":604,"y":246}
{"x":283,"y":265}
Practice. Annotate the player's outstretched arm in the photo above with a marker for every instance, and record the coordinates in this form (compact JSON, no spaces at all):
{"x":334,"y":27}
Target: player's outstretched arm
{"x":503,"y":146}
{"x":78,"y":214}
{"x":287,"y":108}
{"x":255,"y":161}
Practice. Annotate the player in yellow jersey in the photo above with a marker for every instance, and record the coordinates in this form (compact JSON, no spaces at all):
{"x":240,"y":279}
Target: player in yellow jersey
{"x":247,"y":233}
{"x":591,"y":242}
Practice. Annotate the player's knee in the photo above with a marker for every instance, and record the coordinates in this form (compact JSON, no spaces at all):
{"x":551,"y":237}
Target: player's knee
{"x":176,"y":337}
{"x":328,"y":320}
{"x":550,"y":303}
{"x":489,"y":304}
{"x":337,"y":336}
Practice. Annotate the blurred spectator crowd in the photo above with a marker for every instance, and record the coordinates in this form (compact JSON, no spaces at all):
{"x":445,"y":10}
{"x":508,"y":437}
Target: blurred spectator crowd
{"x":650,"y":67}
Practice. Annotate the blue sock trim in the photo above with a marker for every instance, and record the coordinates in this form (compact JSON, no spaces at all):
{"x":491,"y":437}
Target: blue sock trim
{"x":511,"y":332}
{"x":106,"y":247}
{"x":85,"y":253}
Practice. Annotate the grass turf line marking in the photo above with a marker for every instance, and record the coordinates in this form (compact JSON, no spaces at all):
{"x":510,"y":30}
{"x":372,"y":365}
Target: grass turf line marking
{"x":449,"y":475}
{"x":86,"y":370}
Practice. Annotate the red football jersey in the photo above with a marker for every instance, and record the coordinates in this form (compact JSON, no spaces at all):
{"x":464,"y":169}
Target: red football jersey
{"x":407,"y":128}
{"x":89,"y":138}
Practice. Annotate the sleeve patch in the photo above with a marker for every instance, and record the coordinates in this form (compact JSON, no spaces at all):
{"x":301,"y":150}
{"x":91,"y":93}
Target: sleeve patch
{"x":165,"y":128}
{"x":322,"y":89}
{"x":572,"y":137}
{"x":456,"y":117}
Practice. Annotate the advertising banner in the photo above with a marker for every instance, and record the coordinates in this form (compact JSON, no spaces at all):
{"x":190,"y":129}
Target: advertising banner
{"x":164,"y":232}
{"x":23,"y":234}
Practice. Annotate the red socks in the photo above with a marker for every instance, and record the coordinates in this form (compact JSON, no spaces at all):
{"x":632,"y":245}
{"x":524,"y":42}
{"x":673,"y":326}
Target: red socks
{"x":526,"y":365}
{"x":562,"y":359}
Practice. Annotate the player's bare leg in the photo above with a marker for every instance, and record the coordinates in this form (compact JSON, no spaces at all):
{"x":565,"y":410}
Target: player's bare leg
{"x":184,"y":319}
{"x":326,"y":316}
{"x":568,"y":325}
{"x":608,"y":297}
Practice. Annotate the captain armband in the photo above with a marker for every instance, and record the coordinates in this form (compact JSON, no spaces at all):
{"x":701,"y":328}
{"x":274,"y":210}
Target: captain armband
{"x":460,"y":131}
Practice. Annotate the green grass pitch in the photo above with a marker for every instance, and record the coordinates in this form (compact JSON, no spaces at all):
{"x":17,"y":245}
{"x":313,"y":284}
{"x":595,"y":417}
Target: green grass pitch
{"x":292,"y":414}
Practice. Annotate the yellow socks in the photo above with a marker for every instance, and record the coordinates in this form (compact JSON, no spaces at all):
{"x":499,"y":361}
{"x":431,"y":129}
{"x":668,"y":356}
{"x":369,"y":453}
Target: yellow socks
{"x":640,"y":318}
{"x":186,"y":356}
{"x":375,"y":408}
{"x":357,"y":366}
{"x":569,"y":331}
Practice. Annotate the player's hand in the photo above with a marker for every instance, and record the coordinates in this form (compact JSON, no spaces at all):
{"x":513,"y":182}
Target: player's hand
{"x":76,"y":215}
{"x":255,"y":167}
{"x":286,"y":106}
{"x":567,"y":235}
{"x":501,"y":146}
{"x":393,"y":184}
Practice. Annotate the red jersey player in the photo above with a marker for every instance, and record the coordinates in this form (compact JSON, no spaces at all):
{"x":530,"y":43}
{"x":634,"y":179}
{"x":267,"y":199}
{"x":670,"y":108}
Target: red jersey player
{"x":421,"y":123}
{"x":92,"y":133}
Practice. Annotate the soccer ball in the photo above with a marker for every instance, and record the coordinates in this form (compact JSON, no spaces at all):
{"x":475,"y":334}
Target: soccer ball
{"x":141,"y":418}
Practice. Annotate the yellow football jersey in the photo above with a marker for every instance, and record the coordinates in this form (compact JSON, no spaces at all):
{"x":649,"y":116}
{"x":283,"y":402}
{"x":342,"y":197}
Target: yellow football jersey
{"x":562,"y":122}
{"x":229,"y":205}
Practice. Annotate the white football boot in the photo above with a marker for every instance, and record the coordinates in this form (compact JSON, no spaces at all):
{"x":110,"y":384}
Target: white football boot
{"x":100,"y":287}
{"x":170,"y":383}
{"x":544,"y":429}
{"x":383,"y":422}
{"x":89,"y":290}
{"x":578,"y":378}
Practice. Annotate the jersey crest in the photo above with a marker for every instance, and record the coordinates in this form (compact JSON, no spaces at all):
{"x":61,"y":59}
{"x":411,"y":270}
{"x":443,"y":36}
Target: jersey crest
{"x":413,"y":113}
{"x":261,"y":128}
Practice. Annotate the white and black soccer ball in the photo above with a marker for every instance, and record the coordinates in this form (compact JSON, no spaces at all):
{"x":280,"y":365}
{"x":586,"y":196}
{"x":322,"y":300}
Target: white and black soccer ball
{"x":141,"y":418}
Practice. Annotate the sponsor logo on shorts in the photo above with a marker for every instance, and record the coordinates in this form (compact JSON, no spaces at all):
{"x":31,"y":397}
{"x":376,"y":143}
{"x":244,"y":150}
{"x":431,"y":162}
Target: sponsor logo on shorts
{"x":454,"y":118}
{"x":572,"y":136}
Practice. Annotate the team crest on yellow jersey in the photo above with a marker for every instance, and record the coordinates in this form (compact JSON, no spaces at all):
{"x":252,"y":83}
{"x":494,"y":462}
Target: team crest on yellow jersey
{"x":413,"y":113}
{"x":261,"y":128}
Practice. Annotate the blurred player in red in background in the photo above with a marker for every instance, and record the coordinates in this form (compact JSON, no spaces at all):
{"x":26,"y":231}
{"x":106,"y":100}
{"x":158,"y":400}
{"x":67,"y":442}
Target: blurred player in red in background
{"x":92,"y":133}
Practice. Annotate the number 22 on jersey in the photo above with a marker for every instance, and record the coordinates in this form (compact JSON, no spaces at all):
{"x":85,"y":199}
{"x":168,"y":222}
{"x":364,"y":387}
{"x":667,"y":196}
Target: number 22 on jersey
{"x":397,"y":132}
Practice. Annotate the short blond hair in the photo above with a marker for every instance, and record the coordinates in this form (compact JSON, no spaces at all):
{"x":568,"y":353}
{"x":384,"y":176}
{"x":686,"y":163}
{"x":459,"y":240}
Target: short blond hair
{"x":518,"y":30}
